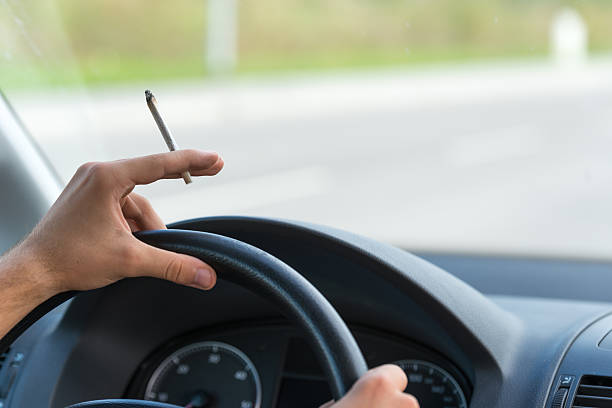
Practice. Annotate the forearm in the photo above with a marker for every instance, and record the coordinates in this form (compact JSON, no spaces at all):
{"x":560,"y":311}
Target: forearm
{"x":22,"y":286}
{"x":86,"y":239}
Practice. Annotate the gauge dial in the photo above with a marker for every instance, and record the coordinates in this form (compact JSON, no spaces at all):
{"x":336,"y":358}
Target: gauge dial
{"x":431,"y":385}
{"x":206,"y":374}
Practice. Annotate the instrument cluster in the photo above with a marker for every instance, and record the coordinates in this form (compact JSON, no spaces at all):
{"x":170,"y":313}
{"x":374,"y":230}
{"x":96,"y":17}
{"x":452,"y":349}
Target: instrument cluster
{"x":273,"y":366}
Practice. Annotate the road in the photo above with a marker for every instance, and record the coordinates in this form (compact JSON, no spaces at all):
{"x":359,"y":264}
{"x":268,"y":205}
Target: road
{"x":501,"y":158}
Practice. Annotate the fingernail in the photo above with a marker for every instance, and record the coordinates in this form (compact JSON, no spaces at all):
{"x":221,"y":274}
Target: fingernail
{"x":204,"y":278}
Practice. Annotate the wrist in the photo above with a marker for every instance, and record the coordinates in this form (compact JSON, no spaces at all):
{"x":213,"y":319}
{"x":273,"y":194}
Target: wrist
{"x":24,"y":285}
{"x":27,"y":273}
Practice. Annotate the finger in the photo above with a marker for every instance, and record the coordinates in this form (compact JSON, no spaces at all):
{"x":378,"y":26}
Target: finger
{"x":131,"y":213}
{"x":214,"y":169}
{"x":408,"y":401}
{"x":178,"y":268}
{"x":211,"y":171}
{"x":388,"y":373}
{"x":145,"y":215}
{"x":381,"y":386}
{"x":147,"y":169}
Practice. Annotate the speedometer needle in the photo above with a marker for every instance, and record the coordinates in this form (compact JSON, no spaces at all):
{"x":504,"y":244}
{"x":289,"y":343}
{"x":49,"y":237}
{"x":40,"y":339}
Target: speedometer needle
{"x":199,"y":400}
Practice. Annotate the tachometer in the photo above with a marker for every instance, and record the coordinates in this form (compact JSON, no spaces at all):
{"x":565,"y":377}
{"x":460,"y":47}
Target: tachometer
{"x":206,"y":374}
{"x":431,"y":385}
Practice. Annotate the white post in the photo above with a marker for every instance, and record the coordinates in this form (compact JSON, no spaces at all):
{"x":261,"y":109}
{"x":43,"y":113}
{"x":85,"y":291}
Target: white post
{"x":569,"y":38}
{"x":222,"y":36}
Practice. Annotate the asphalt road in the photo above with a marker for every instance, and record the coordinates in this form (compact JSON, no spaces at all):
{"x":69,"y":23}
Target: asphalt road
{"x":490,"y":158}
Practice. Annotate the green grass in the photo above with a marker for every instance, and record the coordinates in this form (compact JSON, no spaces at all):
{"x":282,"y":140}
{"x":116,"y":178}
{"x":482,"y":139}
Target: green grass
{"x":112,"y":71}
{"x":378,"y":58}
{"x":70,"y":42}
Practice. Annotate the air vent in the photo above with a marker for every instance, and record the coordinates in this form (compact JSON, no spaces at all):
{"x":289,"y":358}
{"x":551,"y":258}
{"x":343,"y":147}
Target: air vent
{"x":594,"y":392}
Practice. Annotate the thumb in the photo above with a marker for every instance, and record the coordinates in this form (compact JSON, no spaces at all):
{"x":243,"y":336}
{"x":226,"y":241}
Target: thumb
{"x":178,"y":268}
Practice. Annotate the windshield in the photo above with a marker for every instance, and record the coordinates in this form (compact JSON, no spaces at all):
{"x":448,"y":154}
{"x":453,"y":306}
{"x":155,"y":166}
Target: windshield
{"x":471,"y":126}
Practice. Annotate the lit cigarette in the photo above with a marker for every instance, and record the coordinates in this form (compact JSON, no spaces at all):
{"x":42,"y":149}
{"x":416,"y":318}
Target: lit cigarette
{"x":170,"y":142}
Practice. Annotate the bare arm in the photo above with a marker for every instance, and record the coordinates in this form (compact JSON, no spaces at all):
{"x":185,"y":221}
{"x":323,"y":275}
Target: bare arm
{"x":85,"y":241}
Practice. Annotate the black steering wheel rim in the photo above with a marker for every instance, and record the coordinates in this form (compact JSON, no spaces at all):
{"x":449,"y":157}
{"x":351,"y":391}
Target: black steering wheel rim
{"x":265,"y":275}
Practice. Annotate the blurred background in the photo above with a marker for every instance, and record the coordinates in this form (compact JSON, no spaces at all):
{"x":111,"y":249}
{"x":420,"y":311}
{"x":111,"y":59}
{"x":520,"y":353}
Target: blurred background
{"x":478,"y":126}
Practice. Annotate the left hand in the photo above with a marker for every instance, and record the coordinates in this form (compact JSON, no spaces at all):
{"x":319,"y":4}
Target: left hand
{"x":85,"y":241}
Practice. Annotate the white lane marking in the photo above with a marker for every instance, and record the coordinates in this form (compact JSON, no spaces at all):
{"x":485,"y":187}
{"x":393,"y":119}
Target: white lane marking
{"x":246,"y":194}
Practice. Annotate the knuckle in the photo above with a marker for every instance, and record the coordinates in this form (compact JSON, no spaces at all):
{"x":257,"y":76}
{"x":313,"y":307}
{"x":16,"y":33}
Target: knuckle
{"x":160,"y":159}
{"x":97,"y":168}
{"x":189,"y":152}
{"x":85,"y":167}
{"x":184,"y":156}
{"x":174,"y":270}
{"x":377,"y":382}
{"x":144,"y":202}
{"x":94,"y":170}
{"x":159,"y":162}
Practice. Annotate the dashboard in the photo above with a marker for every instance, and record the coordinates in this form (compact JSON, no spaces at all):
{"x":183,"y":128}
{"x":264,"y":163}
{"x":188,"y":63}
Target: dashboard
{"x":271,"y":365}
{"x":493,"y":333}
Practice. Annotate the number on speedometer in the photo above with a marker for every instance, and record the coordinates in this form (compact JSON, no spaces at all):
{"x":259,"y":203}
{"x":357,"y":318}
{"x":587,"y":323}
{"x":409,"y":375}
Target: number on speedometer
{"x":431,"y":385}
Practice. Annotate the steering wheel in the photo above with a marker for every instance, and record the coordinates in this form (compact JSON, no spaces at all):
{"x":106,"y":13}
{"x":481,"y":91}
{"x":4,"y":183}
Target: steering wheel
{"x":262,"y":273}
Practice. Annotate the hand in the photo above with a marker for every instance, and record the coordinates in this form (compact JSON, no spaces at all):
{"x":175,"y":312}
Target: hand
{"x":381,"y":387}
{"x":85,"y":241}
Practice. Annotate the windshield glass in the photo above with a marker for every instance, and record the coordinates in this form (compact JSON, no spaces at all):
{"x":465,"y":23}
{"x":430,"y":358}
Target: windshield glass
{"x":471,"y":126}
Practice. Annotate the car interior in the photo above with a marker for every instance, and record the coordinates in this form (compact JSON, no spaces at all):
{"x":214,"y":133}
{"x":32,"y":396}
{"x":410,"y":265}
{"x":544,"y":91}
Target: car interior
{"x":303,"y":308}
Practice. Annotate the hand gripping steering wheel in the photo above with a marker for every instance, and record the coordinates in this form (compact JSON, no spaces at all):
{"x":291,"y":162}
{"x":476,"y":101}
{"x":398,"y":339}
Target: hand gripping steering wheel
{"x":265,"y":275}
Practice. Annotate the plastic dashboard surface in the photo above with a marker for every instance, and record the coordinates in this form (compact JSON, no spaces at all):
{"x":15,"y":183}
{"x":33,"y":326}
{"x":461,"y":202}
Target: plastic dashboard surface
{"x":508,"y":348}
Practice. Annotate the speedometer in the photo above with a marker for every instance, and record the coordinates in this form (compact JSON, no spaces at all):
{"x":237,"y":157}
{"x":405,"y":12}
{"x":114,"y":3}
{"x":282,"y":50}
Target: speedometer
{"x":431,"y":385}
{"x":206,"y":374}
